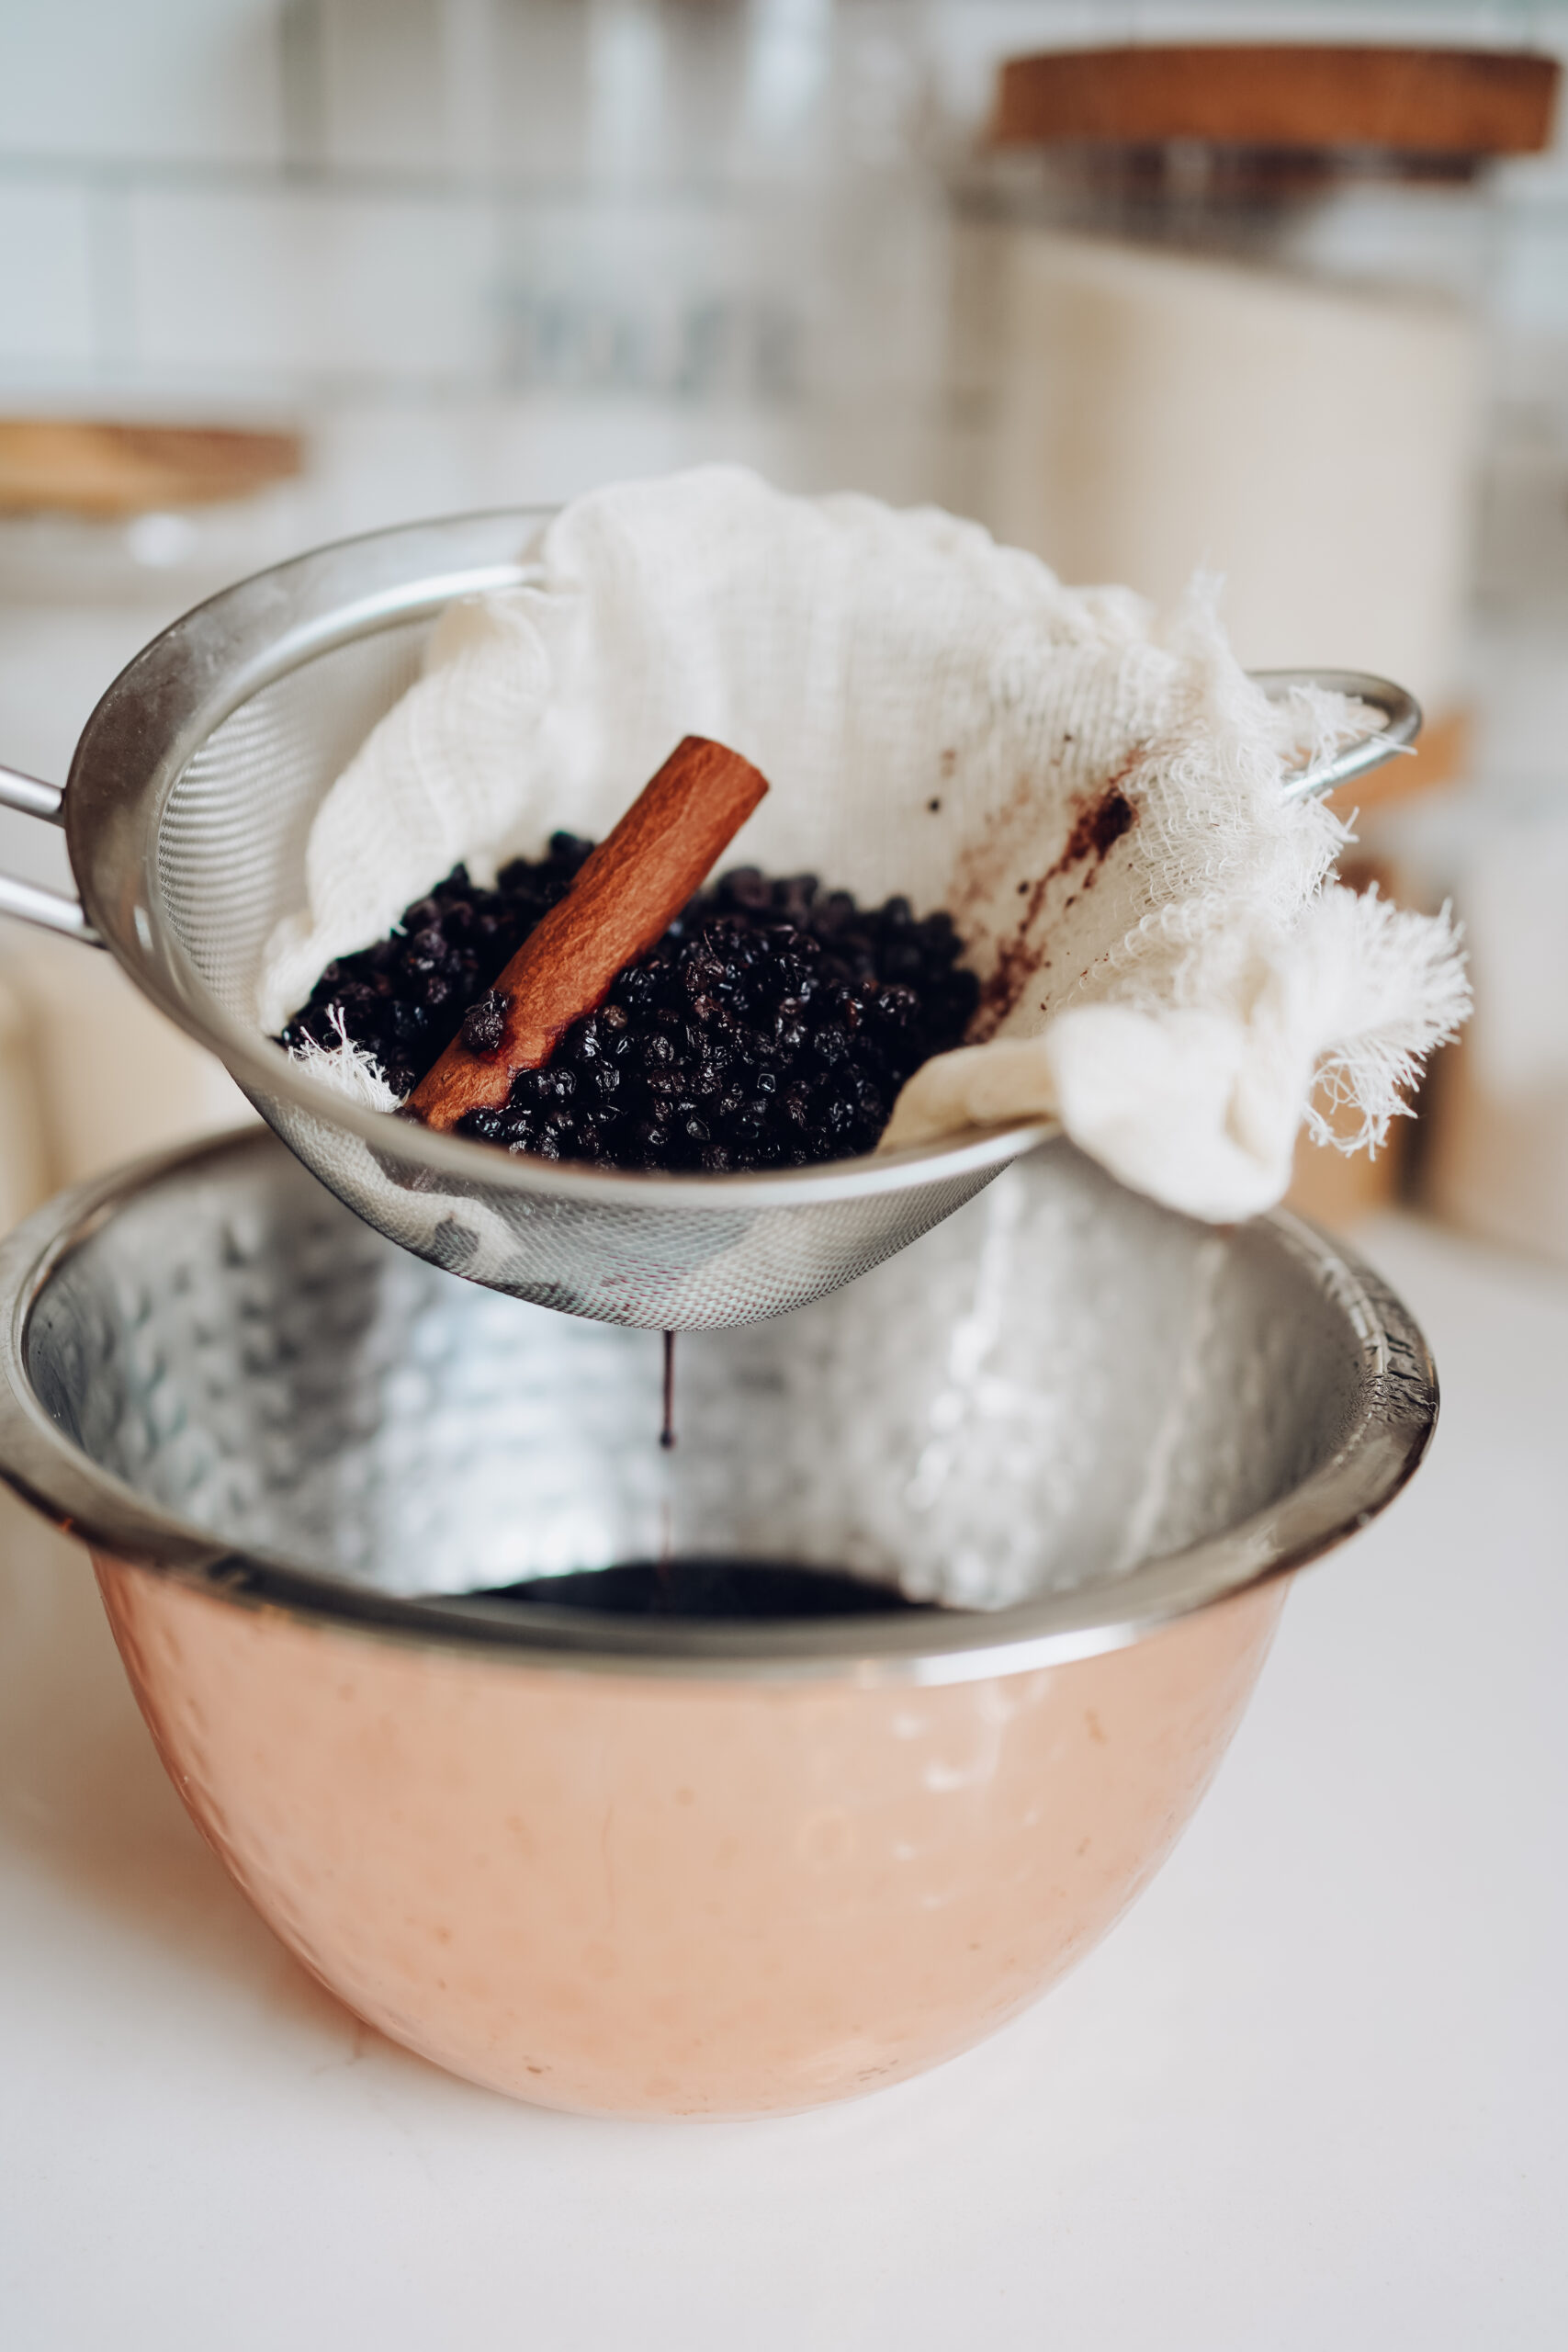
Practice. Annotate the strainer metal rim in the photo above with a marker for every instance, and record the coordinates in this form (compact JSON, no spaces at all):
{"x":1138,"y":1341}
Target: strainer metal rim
{"x":194,"y":674}
{"x":1386,"y":1436}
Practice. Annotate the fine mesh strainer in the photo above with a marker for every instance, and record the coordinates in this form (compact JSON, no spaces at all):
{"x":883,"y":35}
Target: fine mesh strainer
{"x":187,"y":814}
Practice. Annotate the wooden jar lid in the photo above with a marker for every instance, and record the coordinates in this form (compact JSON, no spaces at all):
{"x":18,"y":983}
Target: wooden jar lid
{"x":1415,"y":101}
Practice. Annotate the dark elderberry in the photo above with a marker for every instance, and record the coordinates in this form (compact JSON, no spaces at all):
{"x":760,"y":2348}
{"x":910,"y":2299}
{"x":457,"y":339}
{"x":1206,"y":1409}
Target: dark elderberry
{"x":773,"y":1025}
{"x":484,"y":1023}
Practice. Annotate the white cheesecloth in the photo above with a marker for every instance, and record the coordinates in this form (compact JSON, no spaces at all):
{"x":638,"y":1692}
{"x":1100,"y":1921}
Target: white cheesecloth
{"x":1096,"y":795}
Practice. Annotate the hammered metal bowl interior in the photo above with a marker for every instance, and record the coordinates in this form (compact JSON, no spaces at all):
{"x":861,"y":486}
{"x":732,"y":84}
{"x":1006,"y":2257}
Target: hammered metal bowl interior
{"x":1066,"y":1412}
{"x":188,"y":812}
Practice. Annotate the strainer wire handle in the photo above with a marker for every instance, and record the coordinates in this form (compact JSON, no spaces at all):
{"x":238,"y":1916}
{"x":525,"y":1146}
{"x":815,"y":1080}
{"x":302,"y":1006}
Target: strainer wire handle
{"x":1401,"y":716}
{"x":26,"y":901}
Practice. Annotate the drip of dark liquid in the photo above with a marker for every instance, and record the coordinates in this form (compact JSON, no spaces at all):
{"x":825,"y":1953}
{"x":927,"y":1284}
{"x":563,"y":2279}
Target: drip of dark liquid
{"x":667,"y":1439}
{"x":667,"y":1431}
{"x":716,"y":1588}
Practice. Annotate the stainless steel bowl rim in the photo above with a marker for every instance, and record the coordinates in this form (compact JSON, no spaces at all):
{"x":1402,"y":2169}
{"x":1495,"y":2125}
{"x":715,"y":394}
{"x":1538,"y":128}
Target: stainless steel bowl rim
{"x":1386,"y":1436}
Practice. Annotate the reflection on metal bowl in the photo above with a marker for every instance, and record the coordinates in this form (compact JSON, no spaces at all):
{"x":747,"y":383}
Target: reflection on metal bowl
{"x":639,"y":1862}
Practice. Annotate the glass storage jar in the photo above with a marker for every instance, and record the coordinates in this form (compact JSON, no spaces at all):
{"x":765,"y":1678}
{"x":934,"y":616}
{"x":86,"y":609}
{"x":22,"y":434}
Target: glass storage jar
{"x":1220,"y":306}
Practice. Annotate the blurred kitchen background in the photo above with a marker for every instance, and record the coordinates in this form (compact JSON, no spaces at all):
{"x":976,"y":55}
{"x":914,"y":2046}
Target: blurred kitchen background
{"x":273,"y":271}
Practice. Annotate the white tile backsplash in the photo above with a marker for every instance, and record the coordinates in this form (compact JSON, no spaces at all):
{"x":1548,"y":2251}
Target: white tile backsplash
{"x":383,"y":65}
{"x":47,"y":316}
{"x":142,"y":81}
{"x":536,"y":128}
{"x":304,"y":288}
{"x":674,"y":214}
{"x":375,"y":463}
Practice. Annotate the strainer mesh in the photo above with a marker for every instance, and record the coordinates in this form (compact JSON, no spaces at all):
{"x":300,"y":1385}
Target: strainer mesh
{"x":229,"y":862}
{"x":230,"y":844}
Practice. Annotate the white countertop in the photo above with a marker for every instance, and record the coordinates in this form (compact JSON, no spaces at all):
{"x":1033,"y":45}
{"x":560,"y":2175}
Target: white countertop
{"x":1310,"y":2093}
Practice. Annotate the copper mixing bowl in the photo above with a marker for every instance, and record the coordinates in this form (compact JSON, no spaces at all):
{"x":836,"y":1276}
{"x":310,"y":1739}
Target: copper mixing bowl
{"x":666,"y":1864}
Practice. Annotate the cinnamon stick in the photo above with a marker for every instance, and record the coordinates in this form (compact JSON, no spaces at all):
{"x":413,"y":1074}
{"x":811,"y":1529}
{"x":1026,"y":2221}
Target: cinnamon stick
{"x":628,"y":892}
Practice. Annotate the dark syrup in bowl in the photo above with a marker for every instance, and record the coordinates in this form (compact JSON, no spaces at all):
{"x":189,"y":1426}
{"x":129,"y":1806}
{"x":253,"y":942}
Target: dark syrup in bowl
{"x":713,"y":1588}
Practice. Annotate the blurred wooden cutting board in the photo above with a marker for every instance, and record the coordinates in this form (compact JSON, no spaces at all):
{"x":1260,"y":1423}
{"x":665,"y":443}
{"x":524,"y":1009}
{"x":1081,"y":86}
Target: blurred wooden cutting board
{"x":63,"y":466}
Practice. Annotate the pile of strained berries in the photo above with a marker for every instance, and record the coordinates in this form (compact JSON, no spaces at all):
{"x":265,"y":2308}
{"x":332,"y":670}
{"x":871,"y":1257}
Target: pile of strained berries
{"x":772,"y":1026}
